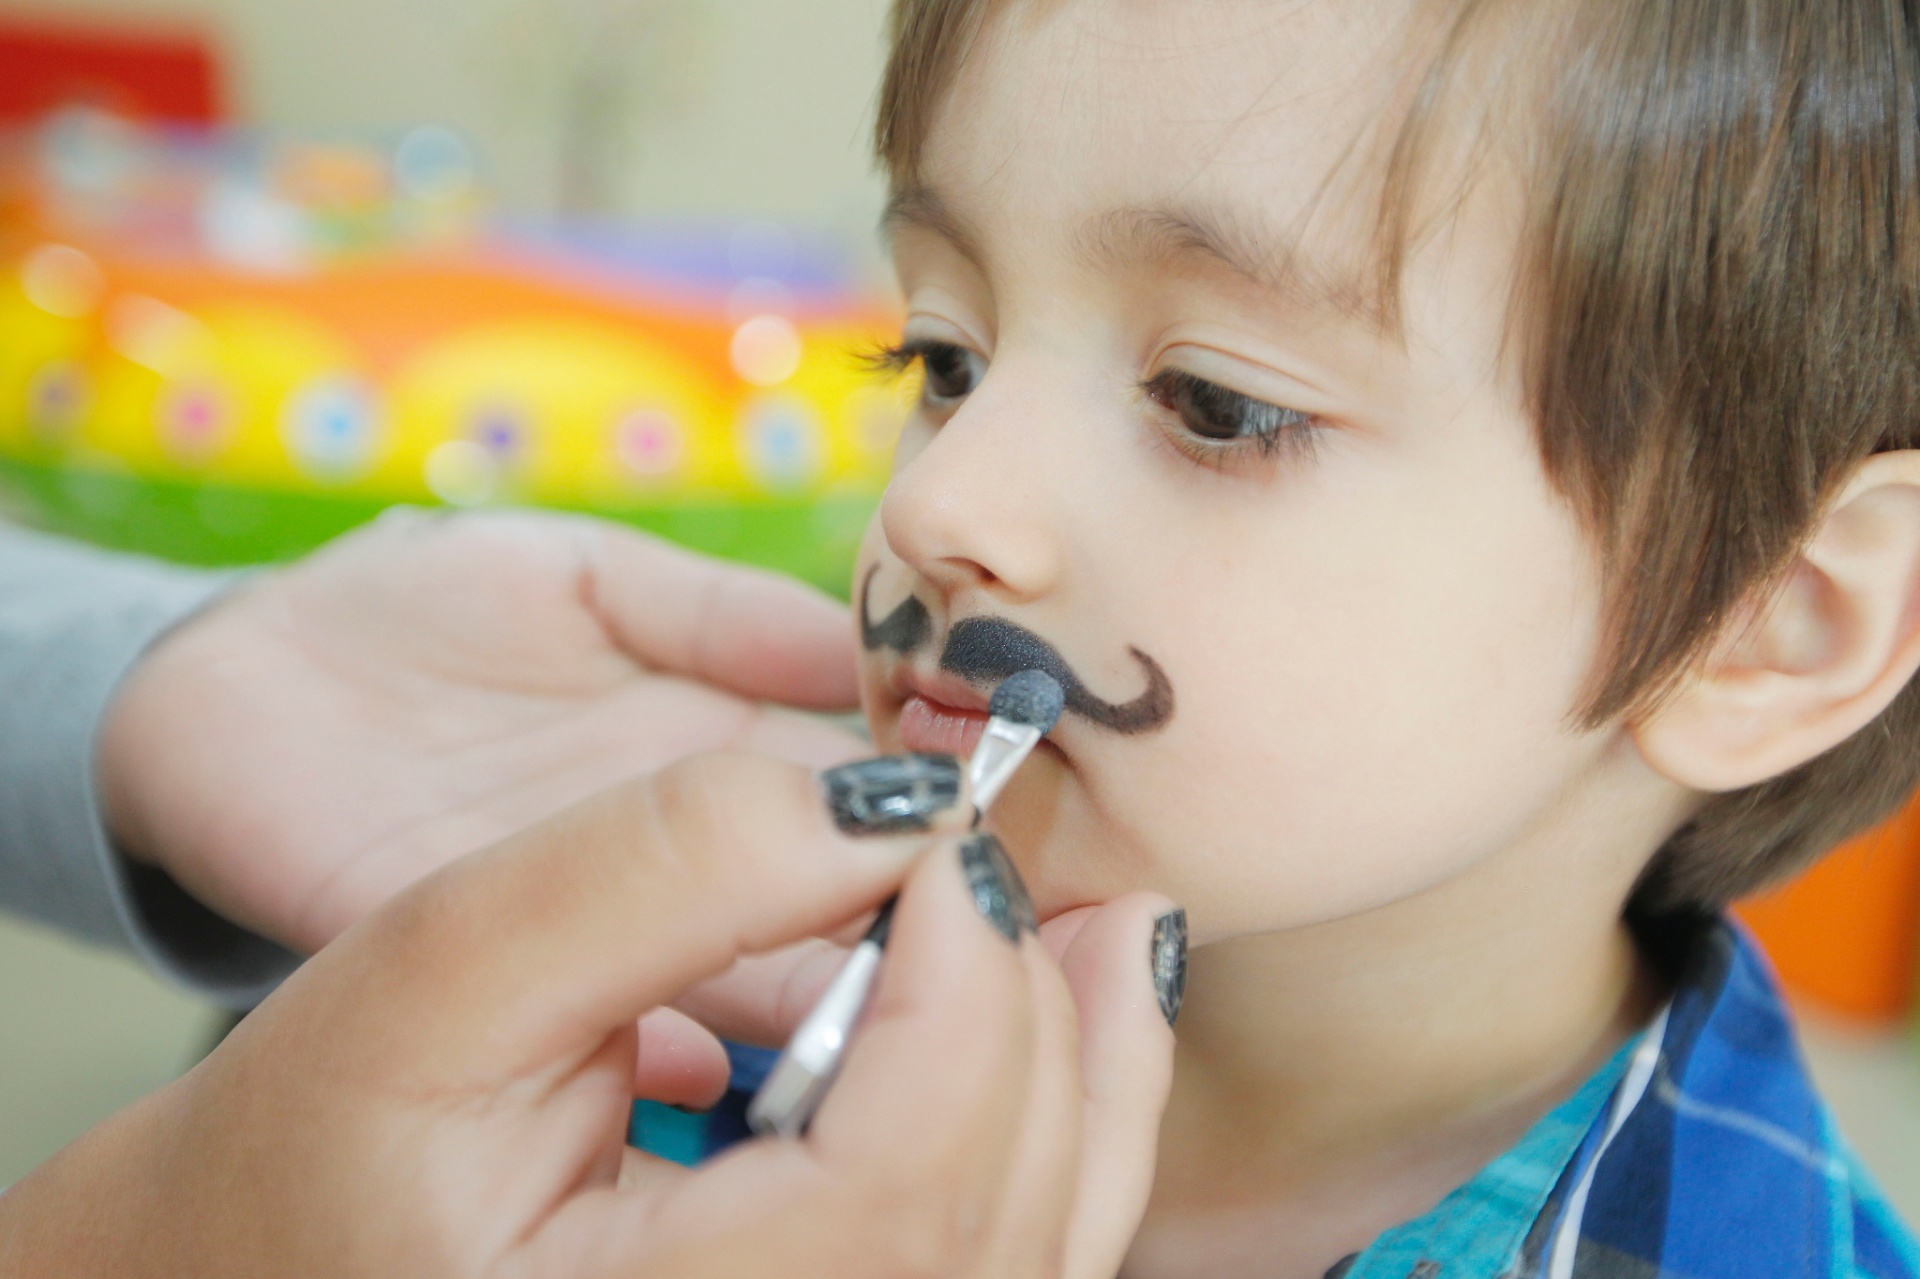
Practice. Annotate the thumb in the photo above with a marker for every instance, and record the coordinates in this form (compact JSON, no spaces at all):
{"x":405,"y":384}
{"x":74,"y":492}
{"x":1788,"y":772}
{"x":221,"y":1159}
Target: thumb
{"x":536,"y":949}
{"x":743,"y":629}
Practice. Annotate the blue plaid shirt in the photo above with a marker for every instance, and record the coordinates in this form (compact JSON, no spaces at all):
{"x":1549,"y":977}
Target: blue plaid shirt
{"x":1701,"y":1151}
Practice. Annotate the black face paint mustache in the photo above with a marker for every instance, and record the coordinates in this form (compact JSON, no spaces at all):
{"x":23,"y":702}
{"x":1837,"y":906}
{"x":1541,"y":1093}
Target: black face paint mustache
{"x":903,"y":630}
{"x":985,"y":649}
{"x":988,"y":649}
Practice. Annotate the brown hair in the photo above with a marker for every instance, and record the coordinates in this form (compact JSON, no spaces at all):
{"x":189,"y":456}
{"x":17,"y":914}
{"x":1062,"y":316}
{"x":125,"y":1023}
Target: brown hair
{"x":1718,"y":319}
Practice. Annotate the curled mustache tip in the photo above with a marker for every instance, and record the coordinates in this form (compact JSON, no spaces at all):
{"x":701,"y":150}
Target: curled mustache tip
{"x":985,"y":650}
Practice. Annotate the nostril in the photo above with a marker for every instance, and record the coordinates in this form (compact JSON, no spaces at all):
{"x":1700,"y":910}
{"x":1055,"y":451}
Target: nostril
{"x":980,"y":573}
{"x":954,"y":572}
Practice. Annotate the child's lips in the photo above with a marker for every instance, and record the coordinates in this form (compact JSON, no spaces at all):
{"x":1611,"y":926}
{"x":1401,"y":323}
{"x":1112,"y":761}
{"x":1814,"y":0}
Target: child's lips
{"x":933,"y":727}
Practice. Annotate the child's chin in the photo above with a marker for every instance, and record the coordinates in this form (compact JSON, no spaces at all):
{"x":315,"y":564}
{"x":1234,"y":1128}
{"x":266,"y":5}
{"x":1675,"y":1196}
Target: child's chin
{"x":1054,"y":888}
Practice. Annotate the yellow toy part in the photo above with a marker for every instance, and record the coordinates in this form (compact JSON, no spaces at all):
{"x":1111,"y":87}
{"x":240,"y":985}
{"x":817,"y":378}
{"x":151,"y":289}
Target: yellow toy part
{"x":572,"y":410}
{"x":830,"y":424}
{"x":230,"y":392}
{"x":46,"y":310}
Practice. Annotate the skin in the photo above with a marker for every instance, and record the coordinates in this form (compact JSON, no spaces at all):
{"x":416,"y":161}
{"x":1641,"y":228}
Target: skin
{"x":443,"y":1091}
{"x":333,"y":731}
{"x":429,"y":685}
{"x":1394,"y":844}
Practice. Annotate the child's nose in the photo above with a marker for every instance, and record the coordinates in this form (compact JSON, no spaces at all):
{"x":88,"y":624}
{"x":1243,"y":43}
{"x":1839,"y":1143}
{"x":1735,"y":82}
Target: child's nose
{"x":974,"y":508}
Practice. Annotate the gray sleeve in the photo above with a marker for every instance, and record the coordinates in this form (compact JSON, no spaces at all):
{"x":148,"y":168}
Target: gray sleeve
{"x":73,"y":620}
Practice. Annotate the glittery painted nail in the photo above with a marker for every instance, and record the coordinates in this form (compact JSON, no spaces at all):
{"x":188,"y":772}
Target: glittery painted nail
{"x":892,"y":794}
{"x":999,"y":893}
{"x":1169,"y":961}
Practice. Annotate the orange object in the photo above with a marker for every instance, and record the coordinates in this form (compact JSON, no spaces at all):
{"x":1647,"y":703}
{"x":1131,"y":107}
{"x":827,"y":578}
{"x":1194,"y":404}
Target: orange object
{"x":1846,"y":934}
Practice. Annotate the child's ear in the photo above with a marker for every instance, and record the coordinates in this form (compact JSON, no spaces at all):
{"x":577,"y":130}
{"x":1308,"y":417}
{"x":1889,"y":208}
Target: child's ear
{"x":1817,"y":659}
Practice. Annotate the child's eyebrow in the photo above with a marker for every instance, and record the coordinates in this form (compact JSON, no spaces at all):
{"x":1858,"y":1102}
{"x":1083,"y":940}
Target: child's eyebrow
{"x":921,"y":206}
{"x":1164,"y":234}
{"x":1133,"y":234}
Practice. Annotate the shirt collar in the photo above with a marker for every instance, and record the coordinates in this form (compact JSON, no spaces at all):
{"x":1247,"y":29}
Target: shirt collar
{"x":1700,"y":1149}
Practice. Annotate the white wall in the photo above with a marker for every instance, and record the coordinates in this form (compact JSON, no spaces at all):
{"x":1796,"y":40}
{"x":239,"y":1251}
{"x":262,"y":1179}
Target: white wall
{"x":768,"y":101}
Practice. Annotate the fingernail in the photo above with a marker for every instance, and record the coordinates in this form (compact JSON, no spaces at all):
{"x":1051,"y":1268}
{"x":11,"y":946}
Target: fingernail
{"x":999,"y":894}
{"x":892,"y":794}
{"x":1169,"y":960}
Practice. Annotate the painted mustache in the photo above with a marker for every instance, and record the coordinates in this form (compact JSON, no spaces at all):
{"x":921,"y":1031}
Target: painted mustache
{"x":987,"y":649}
{"x":903,"y":630}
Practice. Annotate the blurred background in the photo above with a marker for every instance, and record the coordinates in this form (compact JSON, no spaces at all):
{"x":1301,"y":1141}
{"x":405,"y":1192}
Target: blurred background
{"x":267,"y":266}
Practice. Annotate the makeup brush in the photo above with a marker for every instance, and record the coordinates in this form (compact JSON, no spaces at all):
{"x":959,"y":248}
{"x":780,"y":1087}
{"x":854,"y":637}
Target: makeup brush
{"x":1024,"y":709}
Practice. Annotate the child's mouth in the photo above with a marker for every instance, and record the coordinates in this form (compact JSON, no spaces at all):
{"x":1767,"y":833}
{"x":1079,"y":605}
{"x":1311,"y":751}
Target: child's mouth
{"x":934,"y":727}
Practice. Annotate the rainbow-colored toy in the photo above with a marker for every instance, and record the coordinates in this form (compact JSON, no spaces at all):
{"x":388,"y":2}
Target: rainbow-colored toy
{"x":224,"y":352}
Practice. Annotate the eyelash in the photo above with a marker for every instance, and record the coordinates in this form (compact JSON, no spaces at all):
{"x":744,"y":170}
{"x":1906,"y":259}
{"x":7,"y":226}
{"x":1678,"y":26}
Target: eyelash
{"x":1267,"y":429}
{"x":928,"y":353}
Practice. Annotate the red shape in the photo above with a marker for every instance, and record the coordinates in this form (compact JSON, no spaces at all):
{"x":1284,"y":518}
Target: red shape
{"x":141,"y":73}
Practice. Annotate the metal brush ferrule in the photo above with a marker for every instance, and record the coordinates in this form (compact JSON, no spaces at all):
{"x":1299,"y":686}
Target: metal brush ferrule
{"x":1002,"y":749}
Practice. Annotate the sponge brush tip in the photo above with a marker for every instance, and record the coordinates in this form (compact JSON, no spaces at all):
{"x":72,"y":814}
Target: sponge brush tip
{"x":1032,"y":698}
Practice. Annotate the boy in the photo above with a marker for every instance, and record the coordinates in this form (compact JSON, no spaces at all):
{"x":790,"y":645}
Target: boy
{"x":1462,"y":455}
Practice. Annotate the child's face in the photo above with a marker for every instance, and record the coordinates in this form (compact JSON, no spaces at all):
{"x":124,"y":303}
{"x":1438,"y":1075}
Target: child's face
{"x":1374,"y":615}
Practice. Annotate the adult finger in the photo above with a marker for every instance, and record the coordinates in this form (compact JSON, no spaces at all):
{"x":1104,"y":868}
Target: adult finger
{"x":538,"y":947}
{"x":1058,"y":933}
{"x":763,"y":998}
{"x":905,"y":1167}
{"x":679,"y":1062}
{"x":1037,"y":1208}
{"x":752,"y":632}
{"x":1126,"y":1068}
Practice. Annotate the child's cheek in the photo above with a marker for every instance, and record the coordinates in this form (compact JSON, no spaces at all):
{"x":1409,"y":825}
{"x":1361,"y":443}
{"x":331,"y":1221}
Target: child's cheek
{"x":1341,"y":740}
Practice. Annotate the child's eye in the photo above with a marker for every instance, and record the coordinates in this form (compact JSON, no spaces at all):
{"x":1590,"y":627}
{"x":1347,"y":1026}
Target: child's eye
{"x":952,"y":371}
{"x":1215,"y":419}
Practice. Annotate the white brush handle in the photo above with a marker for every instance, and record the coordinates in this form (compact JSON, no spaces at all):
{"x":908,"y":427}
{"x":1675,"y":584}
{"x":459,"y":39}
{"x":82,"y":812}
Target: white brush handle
{"x":1002,"y":749}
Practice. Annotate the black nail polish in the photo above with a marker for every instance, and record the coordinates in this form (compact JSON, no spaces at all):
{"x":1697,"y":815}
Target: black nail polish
{"x":892,"y":794}
{"x":1169,"y":961}
{"x":998,"y":891}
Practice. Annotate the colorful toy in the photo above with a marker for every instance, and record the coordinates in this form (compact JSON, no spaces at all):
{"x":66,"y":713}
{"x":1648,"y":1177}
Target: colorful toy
{"x":221,"y":348}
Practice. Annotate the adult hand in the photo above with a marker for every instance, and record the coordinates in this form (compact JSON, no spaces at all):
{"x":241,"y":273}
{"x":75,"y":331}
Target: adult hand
{"x":762,"y":998}
{"x":442,"y":1092}
{"x":422,"y":688}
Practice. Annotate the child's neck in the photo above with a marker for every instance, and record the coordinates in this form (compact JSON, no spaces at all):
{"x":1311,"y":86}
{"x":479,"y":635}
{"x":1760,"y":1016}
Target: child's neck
{"x":1337,"y":1080}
